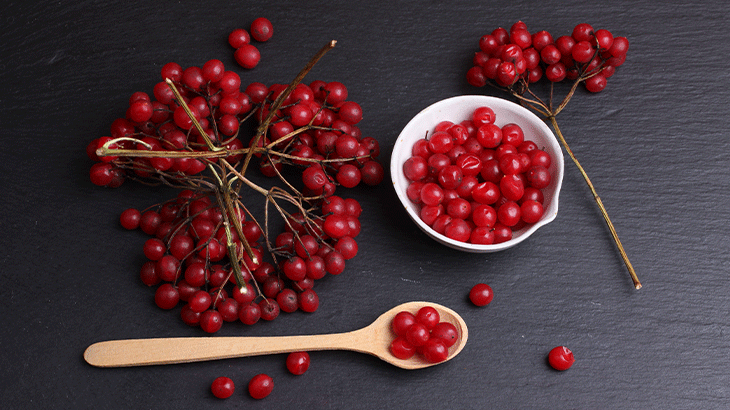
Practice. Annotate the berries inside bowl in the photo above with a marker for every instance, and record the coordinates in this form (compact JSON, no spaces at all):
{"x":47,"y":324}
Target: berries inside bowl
{"x":478,"y":173}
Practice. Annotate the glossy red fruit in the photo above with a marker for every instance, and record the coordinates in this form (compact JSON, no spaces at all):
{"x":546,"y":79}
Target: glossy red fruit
{"x":561,"y":358}
{"x":262,"y":29}
{"x":222,"y":387}
{"x":481,"y":294}
{"x":260,"y":386}
{"x":297,"y":363}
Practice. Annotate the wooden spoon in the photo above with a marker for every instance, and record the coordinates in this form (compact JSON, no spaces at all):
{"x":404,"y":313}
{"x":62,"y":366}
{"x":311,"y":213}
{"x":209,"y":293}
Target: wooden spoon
{"x":373,"y":339}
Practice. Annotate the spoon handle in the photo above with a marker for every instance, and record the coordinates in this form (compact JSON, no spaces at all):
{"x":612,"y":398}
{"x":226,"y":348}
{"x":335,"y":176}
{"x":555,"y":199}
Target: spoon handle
{"x":143,"y":352}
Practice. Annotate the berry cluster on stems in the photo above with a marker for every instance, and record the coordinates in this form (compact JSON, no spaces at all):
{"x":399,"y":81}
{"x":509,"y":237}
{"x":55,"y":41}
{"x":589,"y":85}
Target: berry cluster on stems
{"x":514,"y":59}
{"x":207,"y":248}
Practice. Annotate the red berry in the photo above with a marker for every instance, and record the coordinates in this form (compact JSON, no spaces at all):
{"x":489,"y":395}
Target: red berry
{"x":428,"y":316}
{"x":308,"y":300}
{"x":262,"y":29}
{"x":211,"y":321}
{"x":435,"y":350}
{"x":561,"y":358}
{"x":596,"y":83}
{"x":401,"y":349}
{"x":260,"y":386}
{"x":238,"y":37}
{"x":297,"y":363}
{"x":583,"y":32}
{"x":402,"y":322}
{"x":481,"y":294}
{"x":222,"y":387}
{"x":446,"y":332}
{"x":166,"y":296}
{"x":417,"y":334}
{"x":247,"y":56}
{"x":130,"y":218}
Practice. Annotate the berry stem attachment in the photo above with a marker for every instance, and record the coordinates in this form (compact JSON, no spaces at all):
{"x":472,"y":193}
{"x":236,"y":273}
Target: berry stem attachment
{"x":597,"y":198}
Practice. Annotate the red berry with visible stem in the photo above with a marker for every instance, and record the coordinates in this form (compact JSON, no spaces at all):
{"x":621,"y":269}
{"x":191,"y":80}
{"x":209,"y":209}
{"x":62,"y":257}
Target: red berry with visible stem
{"x":596,"y":84}
{"x":561,"y":358}
{"x":200,"y":301}
{"x":582,"y":52}
{"x":269,"y":309}
{"x":260,"y":386}
{"x":298,"y":363}
{"x":287,"y":300}
{"x":222,"y":387}
{"x":604,"y":39}
{"x":262,"y":29}
{"x":582,"y":32}
{"x":308,"y":300}
{"x":228,"y":309}
{"x":249,"y":314}
{"x":335,"y":92}
{"x":481,"y":294}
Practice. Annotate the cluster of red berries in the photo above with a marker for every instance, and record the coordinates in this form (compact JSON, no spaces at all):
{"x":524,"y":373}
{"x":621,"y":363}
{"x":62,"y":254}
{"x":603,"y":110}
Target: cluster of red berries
{"x":314,"y":131}
{"x":187,"y":260}
{"x":261,"y":385}
{"x":508,"y":57}
{"x":477,"y":182}
{"x":332,"y":147}
{"x":423,"y":334}
{"x":247,"y":55}
{"x":215,"y":98}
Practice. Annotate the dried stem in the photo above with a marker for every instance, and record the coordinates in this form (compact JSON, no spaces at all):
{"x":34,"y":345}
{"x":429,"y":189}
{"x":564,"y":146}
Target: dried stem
{"x":547,"y":111}
{"x":616,"y":239}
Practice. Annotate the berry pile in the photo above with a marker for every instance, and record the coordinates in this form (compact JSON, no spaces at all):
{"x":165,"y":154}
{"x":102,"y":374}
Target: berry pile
{"x":477,"y":182}
{"x":422,"y":333}
{"x":207,"y":247}
{"x":509,"y":57}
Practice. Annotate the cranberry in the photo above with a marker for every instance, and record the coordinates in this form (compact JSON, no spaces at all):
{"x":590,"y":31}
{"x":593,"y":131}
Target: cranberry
{"x":260,"y":386}
{"x":481,"y":294}
{"x":297,"y":363}
{"x":222,"y":387}
{"x":561,"y":358}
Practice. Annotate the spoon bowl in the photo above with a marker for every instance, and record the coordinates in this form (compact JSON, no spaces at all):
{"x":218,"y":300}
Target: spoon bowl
{"x":373,"y":339}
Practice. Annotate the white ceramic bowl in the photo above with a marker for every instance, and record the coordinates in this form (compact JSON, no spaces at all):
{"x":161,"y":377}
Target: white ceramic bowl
{"x":458,"y":109}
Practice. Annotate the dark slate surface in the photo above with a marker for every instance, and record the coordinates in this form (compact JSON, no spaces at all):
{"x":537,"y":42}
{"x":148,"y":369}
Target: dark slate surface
{"x":654,"y":143}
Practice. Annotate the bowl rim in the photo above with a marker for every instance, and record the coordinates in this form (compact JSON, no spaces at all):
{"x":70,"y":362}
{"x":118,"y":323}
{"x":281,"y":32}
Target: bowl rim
{"x":396,"y":167}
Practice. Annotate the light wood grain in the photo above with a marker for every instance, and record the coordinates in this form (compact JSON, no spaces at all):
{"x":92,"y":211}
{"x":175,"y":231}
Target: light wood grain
{"x":374,"y":339}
